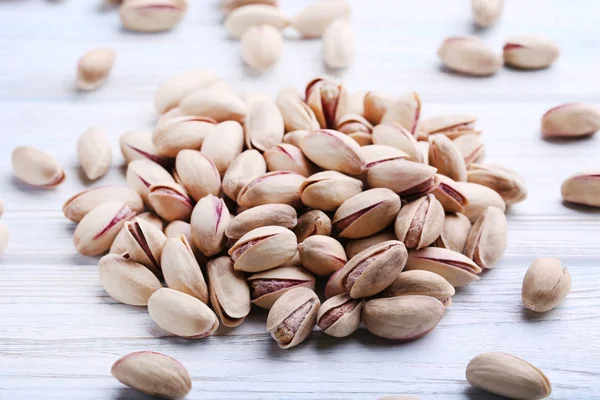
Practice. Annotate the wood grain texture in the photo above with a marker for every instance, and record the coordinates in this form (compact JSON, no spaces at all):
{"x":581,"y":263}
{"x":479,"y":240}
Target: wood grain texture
{"x":60,"y":332}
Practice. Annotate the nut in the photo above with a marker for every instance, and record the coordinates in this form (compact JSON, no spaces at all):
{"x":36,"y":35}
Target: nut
{"x":451,"y":125}
{"x":263,"y":248}
{"x":280,"y":187}
{"x":328,"y":190}
{"x":456,"y":268}
{"x":286,"y":157}
{"x":505,"y":182}
{"x":530,"y":52}
{"x":328,"y":100}
{"x":486,"y":12}
{"x":94,"y":67}
{"x":454,"y":233}
{"x":420,"y":222}
{"x":471,"y":147}
{"x":546,"y":284}
{"x":447,"y":158}
{"x":488,"y":238}
{"x":261,"y":46}
{"x":137,"y":145}
{"x":407,"y":178}
{"x":374,"y":154}
{"x":245,"y":168}
{"x":37,"y":168}
{"x":229,"y":293}
{"x":333,"y":150}
{"x":571,"y":120}
{"x":179,"y":133}
{"x":181,"y":270}
{"x":265,"y":215}
{"x":152,"y":15}
{"x":394,"y":135}
{"x":335,"y":285}
{"x":209,"y":222}
{"x":224,"y":144}
{"x":141,"y":174}
{"x":405,"y":111}
{"x":76,"y":207}
{"x":356,"y":103}
{"x":230,"y":5}
{"x":177,"y":87}
{"x":197,"y":174}
{"x":4,"y":238}
{"x":449,"y":195}
{"x":144,"y":243}
{"x":340,"y":316}
{"x":356,"y":127}
{"x":479,"y":198}
{"x":263,"y":125}
{"x":95,"y":154}
{"x":311,"y":223}
{"x":295,"y":137}
{"x":297,"y":115}
{"x":170,"y":201}
{"x":421,"y":283}
{"x":375,"y":105}
{"x":582,"y":188}
{"x":313,"y":20}
{"x":356,"y":246}
{"x":469,"y":55}
{"x":322,"y":255}
{"x":220,"y":105}
{"x":243,"y":18}
{"x":119,"y":245}
{"x":338,"y":44}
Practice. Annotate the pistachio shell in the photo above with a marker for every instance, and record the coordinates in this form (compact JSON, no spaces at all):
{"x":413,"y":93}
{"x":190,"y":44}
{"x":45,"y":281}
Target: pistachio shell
{"x":322,"y":255}
{"x":265,"y":215}
{"x":488,"y":238}
{"x":328,"y":190}
{"x":4,"y":238}
{"x":263,"y":125}
{"x":313,"y":20}
{"x":229,"y":293}
{"x":119,"y":245}
{"x":217,"y":104}
{"x":181,"y":270}
{"x":571,"y":120}
{"x":328,"y":99}
{"x":505,"y":182}
{"x":582,"y":188}
{"x":454,"y":233}
{"x":263,"y":248}
{"x":340,"y":316}
{"x":94,"y":67}
{"x":152,"y":15}
{"x":449,"y":195}
{"x":137,"y":145}
{"x":76,"y":207}
{"x":180,"y":133}
{"x":295,"y":137}
{"x":486,"y":12}
{"x":471,"y":147}
{"x":374,"y":154}
{"x":479,"y":198}
{"x":224,"y":144}
{"x":141,"y":174}
{"x":356,"y":246}
{"x":394,"y":135}
{"x":245,"y":168}
{"x":530,"y":52}
{"x":197,"y":174}
{"x":356,"y":127}
{"x":170,"y":201}
{"x":297,"y":115}
{"x":243,"y":18}
{"x":179,"y":86}
{"x":261,"y":46}
{"x":456,"y":268}
{"x":209,"y":222}
{"x":408,"y":178}
{"x":469,"y":55}
{"x":333,"y":150}
{"x":286,"y":157}
{"x":230,"y":5}
{"x":335,"y":285}
{"x":445,"y":156}
{"x":424,"y":283}
{"x":280,"y":187}
{"x":420,"y":222}
{"x":144,"y":243}
{"x":338,"y":44}
{"x":356,"y":103}
{"x":405,"y":111}
{"x":546,"y":284}
{"x":37,"y":168}
{"x":375,"y":105}
{"x":451,"y":125}
{"x":314,"y":222}
{"x":94,"y":152}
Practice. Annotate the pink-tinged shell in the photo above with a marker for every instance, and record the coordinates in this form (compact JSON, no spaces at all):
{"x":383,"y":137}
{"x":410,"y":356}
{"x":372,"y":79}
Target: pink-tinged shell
{"x":571,"y":120}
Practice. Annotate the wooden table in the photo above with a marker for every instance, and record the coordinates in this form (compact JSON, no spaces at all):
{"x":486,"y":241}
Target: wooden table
{"x":60,"y":332}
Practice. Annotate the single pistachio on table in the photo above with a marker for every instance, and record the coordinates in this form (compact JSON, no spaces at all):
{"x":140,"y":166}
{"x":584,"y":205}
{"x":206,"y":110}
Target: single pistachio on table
{"x":37,"y":168}
{"x":127,"y":281}
{"x":340,"y":315}
{"x":181,"y":314}
{"x":313,"y":20}
{"x":469,"y":55}
{"x":423,"y":283}
{"x":263,"y":248}
{"x":420,"y":222}
{"x":293,"y":316}
{"x":402,"y":317}
{"x":375,"y":104}
{"x":287,"y":157}
{"x":372,"y":270}
{"x":297,"y":115}
{"x":357,"y":245}
{"x":322,"y":255}
{"x":209,"y":222}
{"x":582,"y":188}
{"x":394,"y":135}
{"x":137,"y":145}
{"x":144,"y":243}
{"x":152,"y":15}
{"x":119,"y":245}
{"x":356,"y":103}
{"x":244,"y":169}
{"x":181,"y":270}
{"x":224,"y":144}
{"x":507,"y":183}
{"x":314,"y":222}
{"x":197,"y":174}
{"x":229,"y":292}
{"x":486,"y":12}
{"x":230,"y":5}
{"x":170,"y":201}
{"x":141,"y":174}
{"x":571,"y":120}
{"x":530,"y":52}
{"x":454,"y":233}
{"x":508,"y":376}
{"x":94,"y":68}
{"x":154,"y":374}
{"x":374,"y":154}
{"x":179,"y":133}
{"x":366,"y":213}
{"x":328,"y":100}
{"x":445,"y":156}
{"x":279,"y":187}
{"x":423,"y":148}
{"x":265,"y":215}
{"x":78,"y":205}
{"x":338,"y":44}
{"x":263,"y":125}
{"x":94,"y":153}
{"x":357,"y":127}
{"x":451,"y":125}
{"x":327,"y":190}
{"x":405,"y":111}
{"x":295,"y":137}
{"x":220,"y":105}
{"x":407,"y":178}
{"x":243,"y":18}
{"x":456,"y":268}
{"x":449,"y":195}
{"x":335,"y":285}
{"x":177,"y":87}
{"x":261,"y":46}
{"x":471,"y":147}
{"x":546,"y":284}
{"x":4,"y":238}
{"x":479,"y":198}
{"x":333,"y":150}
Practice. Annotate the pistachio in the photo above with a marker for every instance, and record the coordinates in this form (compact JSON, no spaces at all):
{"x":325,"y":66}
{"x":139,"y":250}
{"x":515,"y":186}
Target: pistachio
{"x":181,"y":270}
{"x":366,"y":213}
{"x":398,"y":397}
{"x":229,"y":293}
{"x":261,"y":46}
{"x":209,"y":221}
{"x":328,"y":100}
{"x":293,"y":316}
{"x":297,"y":115}
{"x":479,"y":198}
{"x":137,"y":145}
{"x":243,"y":18}
{"x":405,"y":111}
{"x":180,"y":133}
{"x":127,"y":281}
{"x":508,"y":376}
{"x":423,"y":148}
{"x":314,"y":222}
{"x":423,"y":283}
{"x":456,"y":268}
{"x":263,"y":125}
{"x":356,"y":127}
{"x":486,"y":12}
{"x":230,"y":5}
{"x":402,"y":317}
{"x":488,"y":238}
{"x":263,"y":248}
{"x":582,"y":188}
{"x":445,"y":156}
{"x":280,"y":187}
{"x":454,"y":233}
{"x":170,"y":201}
{"x":314,"y":19}
{"x":245,"y":168}
{"x":420,"y":222}
{"x":451,"y":125}
{"x":265,"y":215}
{"x":335,"y":285}
{"x":152,"y":15}
{"x":181,"y":314}
{"x":469,"y":55}
{"x":407,"y":178}
{"x":177,"y":87}
{"x":374,"y":154}
{"x":144,"y":243}
{"x":333,"y":150}
{"x":546,"y":284}
{"x":98,"y":228}
{"x":471,"y":147}
{"x":394,"y":135}
{"x":286,"y":157}
{"x":154,"y":374}
{"x":95,"y":154}
{"x":338,"y":44}
{"x":77,"y":206}
{"x":356,"y":103}
{"x":141,"y":174}
{"x":340,"y":316}
{"x":356,"y":246}
{"x":119,"y":245}
{"x":295,"y":137}
{"x":449,"y":195}
{"x":4,"y":238}
{"x":328,"y":190}
{"x":217,"y":104}
{"x":322,"y":255}
{"x":94,"y":67}
{"x":2,"y":208}
{"x":375,"y":105}
{"x":197,"y":174}
{"x":224,"y":144}
{"x":37,"y":168}
{"x":507,"y":183}
{"x":530,"y":52}
{"x":571,"y":120}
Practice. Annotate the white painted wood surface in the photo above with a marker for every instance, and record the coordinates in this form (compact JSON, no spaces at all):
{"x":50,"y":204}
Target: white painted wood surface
{"x":60,"y":332}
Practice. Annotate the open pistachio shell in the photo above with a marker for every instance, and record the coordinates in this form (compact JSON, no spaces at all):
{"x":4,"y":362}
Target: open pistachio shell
{"x":263,"y":248}
{"x":229,"y":293}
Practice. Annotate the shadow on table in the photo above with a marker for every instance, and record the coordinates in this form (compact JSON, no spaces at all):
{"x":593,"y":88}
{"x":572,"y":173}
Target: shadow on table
{"x":132,"y":394}
{"x":476,"y":394}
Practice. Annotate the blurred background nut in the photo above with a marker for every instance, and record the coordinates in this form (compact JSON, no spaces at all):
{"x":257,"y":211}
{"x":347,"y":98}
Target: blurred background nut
{"x":244,"y":18}
{"x":486,"y":12}
{"x":261,"y":47}
{"x":469,"y":55}
{"x":94,"y":67}
{"x":37,"y":168}
{"x":313,"y":20}
{"x":530,"y":52}
{"x":173,"y":90}
{"x":582,"y":188}
{"x":571,"y":120}
{"x":152,"y":15}
{"x":338,"y":44}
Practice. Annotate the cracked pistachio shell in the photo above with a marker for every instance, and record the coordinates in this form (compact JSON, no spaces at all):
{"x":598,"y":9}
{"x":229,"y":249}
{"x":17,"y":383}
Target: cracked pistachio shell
{"x":356,"y":246}
{"x":335,"y":285}
{"x":141,"y":174}
{"x":582,"y":188}
{"x":394,"y":135}
{"x":340,"y":315}
{"x":209,"y":222}
{"x":571,"y":120}
{"x":322,"y":255}
{"x":127,"y":281}
{"x":137,"y":145}
{"x":243,"y":18}
{"x":456,"y":268}
{"x":295,"y":137}
{"x":263,"y":125}
{"x":76,"y":207}
{"x":265,"y":215}
{"x":246,"y":167}
{"x":197,"y":174}
{"x":261,"y":46}
{"x":405,"y":111}
{"x":152,"y":15}
{"x":144,"y":243}
{"x":546,"y":284}
{"x":372,"y":270}
{"x":530,"y":52}
{"x":297,"y":115}
{"x":366,"y":213}
{"x":95,"y":153}
{"x":263,"y":248}
{"x":486,"y":12}
{"x":119,"y":245}
{"x":37,"y":168}
{"x":177,"y":87}
{"x":338,"y":44}
{"x":419,"y":223}
{"x":507,"y":183}
{"x":180,"y":133}
{"x":375,"y":105}
{"x":98,"y":228}
{"x":451,"y":125}
{"x":449,"y":195}
{"x":402,"y":317}
{"x":471,"y":147}
{"x":333,"y":150}
{"x":374,"y":154}
{"x":469,"y":55}
{"x":328,"y":190}
{"x":220,"y":105}
{"x":286,"y":157}
{"x":181,"y":270}
{"x":328,"y":100}
{"x":181,"y":314}
{"x":357,"y":127}
{"x":224,"y":144}
{"x":280,"y":187}
{"x":445,"y":156}
{"x":230,"y":5}
{"x":454,"y":233}
{"x":4,"y":238}
{"x":293,"y":316}
{"x":488,"y":238}
{"x":479,"y":198}
{"x":229,"y":292}
{"x":94,"y":68}
{"x":313,"y":20}
{"x":408,"y":178}
{"x":508,"y":376}
{"x":314,"y":222}
{"x":170,"y":201}
{"x":423,"y":283}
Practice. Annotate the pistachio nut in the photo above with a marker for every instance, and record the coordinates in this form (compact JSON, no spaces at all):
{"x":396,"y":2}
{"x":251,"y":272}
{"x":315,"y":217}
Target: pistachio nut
{"x":546,"y":284}
{"x":170,"y":201}
{"x":486,"y":12}
{"x":449,"y":195}
{"x":328,"y":100}
{"x":154,"y":374}
{"x":77,"y":206}
{"x":127,"y":281}
{"x":333,"y":150}
{"x":420,"y":222}
{"x":297,"y":115}
{"x":582,"y":188}
{"x":313,"y":20}
{"x":152,"y":15}
{"x":530,"y":52}
{"x":374,"y":154}
{"x":357,"y":127}
{"x":322,"y":255}
{"x":263,"y":248}
{"x":356,"y":103}
{"x":454,"y":233}
{"x":279,"y":187}
{"x":327,"y":190}
{"x":295,"y":137}
{"x":173,"y":113}
{"x":197,"y":174}
{"x":338,"y":44}
{"x":95,"y":153}
{"x":405,"y":111}
{"x":98,"y":228}
{"x":488,"y":238}
{"x":445,"y":156}
{"x":144,"y":243}
{"x":119,"y":245}
{"x":137,"y":145}
{"x":507,"y":183}
{"x":181,"y":270}
{"x":37,"y":168}
{"x":423,"y":148}
{"x":287,"y":157}
{"x":94,"y":67}
{"x":224,"y":144}
{"x":4,"y":238}
{"x":509,"y":376}
{"x":356,"y":246}
{"x":407,"y":178}
{"x":230,"y":5}
{"x":335,"y":285}
{"x":245,"y":168}
{"x":229,"y":292}
{"x":571,"y":120}
{"x":141,"y":174}
{"x":209,"y":222}
{"x":220,"y":105}
{"x":314,"y":222}
{"x":186,"y":132}
{"x":181,"y":314}
{"x":423,"y":283}
{"x":366,"y":213}
{"x":375,"y":105}
{"x":293,"y":316}
{"x":243,"y":18}
{"x":394,"y":135}
{"x":340,"y":315}
{"x":479,"y":198}
{"x":456,"y":268}
{"x":265,"y":215}
{"x":402,"y":317}
{"x":261,"y":46}
{"x":451,"y":125}
{"x":263,"y":125}
{"x":176,"y":88}
{"x":471,"y":147}
{"x":469,"y":55}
